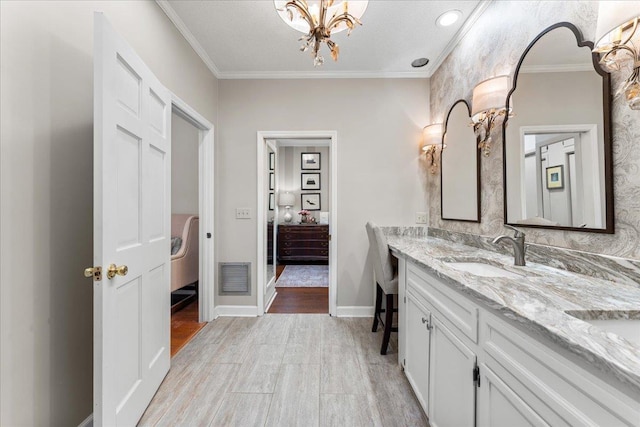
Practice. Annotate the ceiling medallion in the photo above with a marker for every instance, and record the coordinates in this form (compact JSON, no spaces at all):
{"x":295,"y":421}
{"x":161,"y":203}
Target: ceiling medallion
{"x":318,"y":19}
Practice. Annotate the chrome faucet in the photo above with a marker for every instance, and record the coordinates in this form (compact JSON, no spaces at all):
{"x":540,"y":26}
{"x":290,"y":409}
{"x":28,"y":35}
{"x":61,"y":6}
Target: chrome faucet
{"x":517,"y":241}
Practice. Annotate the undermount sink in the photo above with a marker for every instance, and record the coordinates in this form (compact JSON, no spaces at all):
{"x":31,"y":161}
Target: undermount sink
{"x":624,"y":323}
{"x":483,"y":269}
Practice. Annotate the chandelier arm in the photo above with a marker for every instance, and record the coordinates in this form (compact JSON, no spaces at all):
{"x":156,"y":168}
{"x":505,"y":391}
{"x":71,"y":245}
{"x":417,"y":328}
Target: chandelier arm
{"x":342,"y":18}
{"x":632,"y":32}
{"x":302,"y":9}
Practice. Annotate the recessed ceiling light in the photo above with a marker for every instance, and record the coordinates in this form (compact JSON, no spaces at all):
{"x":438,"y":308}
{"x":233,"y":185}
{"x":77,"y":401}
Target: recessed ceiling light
{"x":420,"y":62}
{"x":448,"y":18}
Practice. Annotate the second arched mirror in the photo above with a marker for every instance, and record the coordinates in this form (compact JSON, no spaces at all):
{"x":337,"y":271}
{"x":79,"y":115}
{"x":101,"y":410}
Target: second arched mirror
{"x":460,"y":167}
{"x":557,"y":146}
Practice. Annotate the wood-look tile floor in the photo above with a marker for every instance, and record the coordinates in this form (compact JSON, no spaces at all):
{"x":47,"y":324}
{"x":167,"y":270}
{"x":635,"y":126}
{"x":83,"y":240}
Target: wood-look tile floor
{"x":285,"y":370}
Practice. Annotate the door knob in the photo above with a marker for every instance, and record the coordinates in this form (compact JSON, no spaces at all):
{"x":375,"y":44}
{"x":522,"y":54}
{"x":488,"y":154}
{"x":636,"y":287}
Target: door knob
{"x":119,"y":270}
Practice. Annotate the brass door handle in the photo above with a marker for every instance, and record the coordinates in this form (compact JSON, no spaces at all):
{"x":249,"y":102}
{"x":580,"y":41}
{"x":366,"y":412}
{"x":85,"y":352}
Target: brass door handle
{"x":120,"y":271}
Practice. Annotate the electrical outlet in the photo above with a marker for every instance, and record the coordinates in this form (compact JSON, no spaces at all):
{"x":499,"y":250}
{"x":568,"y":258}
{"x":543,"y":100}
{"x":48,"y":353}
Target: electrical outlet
{"x":243,"y":213}
{"x":421,"y":217}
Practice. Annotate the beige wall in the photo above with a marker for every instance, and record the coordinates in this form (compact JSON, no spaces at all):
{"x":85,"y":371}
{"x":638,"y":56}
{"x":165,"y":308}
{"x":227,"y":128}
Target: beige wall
{"x":46,"y":132}
{"x":184,"y":166}
{"x":508,"y":27}
{"x":378,"y":122}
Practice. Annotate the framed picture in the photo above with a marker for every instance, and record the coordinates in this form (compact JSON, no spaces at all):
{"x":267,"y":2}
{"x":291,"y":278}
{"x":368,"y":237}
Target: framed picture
{"x":310,"y":201}
{"x":310,"y":181}
{"x":310,"y":161}
{"x":272,"y":181}
{"x":272,"y":161}
{"x":272,"y":201}
{"x":555,"y":177}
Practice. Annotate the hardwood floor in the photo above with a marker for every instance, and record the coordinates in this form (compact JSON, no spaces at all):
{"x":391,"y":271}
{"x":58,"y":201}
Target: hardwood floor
{"x":184,"y":326}
{"x":286,"y":370}
{"x":300,"y":300}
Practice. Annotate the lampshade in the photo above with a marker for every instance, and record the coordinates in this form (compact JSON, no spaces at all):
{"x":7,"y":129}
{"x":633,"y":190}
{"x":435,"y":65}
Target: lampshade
{"x":612,"y":17}
{"x":431,"y":135}
{"x":490,"y":94}
{"x":355,"y":8}
{"x":286,"y":199}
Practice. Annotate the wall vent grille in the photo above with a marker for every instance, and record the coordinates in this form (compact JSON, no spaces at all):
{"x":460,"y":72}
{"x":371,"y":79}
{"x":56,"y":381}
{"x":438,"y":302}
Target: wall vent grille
{"x":235,"y":278}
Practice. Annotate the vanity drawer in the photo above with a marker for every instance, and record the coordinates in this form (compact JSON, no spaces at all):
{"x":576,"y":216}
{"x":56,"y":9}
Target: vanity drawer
{"x":455,"y":308}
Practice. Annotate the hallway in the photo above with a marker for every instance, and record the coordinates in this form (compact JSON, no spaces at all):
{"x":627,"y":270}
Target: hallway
{"x":285,"y":370}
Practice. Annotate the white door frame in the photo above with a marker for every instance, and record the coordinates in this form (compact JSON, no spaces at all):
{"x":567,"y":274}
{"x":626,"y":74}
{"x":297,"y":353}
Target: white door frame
{"x":333,"y":211}
{"x":206,"y":275}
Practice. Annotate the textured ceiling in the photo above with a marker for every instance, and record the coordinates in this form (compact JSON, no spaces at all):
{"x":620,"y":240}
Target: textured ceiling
{"x":243,"y":38}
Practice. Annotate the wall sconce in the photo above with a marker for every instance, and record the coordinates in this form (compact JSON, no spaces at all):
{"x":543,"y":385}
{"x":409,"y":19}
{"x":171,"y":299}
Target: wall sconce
{"x":287,"y":200}
{"x":488,"y":106}
{"x":617,"y":24}
{"x":431,"y":143}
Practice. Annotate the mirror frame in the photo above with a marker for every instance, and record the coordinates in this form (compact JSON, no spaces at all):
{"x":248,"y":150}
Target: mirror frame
{"x":608,"y":142}
{"x":479,"y":186}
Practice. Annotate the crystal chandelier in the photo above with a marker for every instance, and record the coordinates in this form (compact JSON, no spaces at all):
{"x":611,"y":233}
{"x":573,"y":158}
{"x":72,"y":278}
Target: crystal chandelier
{"x":318,"y":19}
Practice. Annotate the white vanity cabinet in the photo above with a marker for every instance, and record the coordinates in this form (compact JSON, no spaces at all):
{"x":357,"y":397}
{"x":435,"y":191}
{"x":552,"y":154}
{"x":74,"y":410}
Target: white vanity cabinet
{"x":451,"y":388}
{"x":469,"y":366}
{"x":438,"y":364}
{"x":416,"y":361}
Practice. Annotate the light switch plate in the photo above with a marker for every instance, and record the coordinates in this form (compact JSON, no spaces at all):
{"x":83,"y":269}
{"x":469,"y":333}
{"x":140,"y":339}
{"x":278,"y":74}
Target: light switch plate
{"x":421,"y":217}
{"x":243,"y":213}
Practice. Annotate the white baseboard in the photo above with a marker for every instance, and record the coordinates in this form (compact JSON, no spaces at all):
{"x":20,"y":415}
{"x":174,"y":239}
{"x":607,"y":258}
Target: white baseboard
{"x":354,"y":311}
{"x":270,"y":301}
{"x":235,"y":311}
{"x":88,"y":422}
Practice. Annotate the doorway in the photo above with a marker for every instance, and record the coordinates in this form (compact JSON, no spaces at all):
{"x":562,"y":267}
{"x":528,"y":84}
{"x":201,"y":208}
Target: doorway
{"x":191,"y":224}
{"x":297,"y":222}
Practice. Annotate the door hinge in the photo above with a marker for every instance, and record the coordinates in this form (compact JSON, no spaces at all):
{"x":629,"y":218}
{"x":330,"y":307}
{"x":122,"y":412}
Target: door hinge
{"x":476,"y":376}
{"x":405,"y":300}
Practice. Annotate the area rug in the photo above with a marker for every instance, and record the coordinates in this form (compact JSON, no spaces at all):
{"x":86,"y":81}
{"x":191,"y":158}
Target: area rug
{"x":304,"y":276}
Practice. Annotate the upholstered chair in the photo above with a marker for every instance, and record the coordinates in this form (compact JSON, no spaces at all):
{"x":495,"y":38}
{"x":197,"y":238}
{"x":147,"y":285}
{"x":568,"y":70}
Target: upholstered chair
{"x":386,"y":275}
{"x":185,"y":262}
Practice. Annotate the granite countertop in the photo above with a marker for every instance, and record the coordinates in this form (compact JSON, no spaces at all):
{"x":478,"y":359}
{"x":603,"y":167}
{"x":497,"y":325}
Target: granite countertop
{"x":539,"y":300}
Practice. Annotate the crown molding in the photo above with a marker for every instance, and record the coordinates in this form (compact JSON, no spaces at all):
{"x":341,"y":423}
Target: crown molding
{"x":560,"y":68}
{"x":323,"y":75}
{"x":186,"y":33}
{"x":475,"y":15}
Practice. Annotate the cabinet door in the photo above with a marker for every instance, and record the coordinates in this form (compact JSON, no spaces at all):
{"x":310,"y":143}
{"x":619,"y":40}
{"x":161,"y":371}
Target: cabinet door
{"x":402,"y":310}
{"x":451,"y":389}
{"x":417,"y":349}
{"x":500,"y":406}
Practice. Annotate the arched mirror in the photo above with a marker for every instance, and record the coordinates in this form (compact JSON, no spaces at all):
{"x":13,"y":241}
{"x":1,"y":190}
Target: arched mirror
{"x":460,"y":167}
{"x":557,"y":146}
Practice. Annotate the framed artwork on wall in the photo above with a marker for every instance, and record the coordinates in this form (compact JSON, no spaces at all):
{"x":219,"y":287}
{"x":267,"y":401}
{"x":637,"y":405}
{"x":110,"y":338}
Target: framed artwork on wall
{"x":272,"y":161}
{"x":272,"y":201}
{"x":555,"y":177}
{"x":310,"y":181}
{"x":272,"y":181}
{"x":310,"y":161}
{"x":310,"y":201}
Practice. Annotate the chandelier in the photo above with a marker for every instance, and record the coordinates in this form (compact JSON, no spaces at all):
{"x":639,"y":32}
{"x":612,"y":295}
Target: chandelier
{"x":318,"y":19}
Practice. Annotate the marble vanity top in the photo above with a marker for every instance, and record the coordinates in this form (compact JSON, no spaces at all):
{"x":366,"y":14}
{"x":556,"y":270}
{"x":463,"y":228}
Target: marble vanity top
{"x":539,"y":299}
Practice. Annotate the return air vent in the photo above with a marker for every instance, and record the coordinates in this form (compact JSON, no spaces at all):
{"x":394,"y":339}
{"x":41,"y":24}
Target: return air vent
{"x":235,"y":278}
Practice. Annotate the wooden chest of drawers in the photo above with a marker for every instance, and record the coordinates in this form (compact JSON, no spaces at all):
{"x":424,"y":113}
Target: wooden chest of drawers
{"x":303,"y":242}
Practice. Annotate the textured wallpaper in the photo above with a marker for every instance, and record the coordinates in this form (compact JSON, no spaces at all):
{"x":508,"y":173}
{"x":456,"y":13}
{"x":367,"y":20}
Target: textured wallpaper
{"x":493,"y":47}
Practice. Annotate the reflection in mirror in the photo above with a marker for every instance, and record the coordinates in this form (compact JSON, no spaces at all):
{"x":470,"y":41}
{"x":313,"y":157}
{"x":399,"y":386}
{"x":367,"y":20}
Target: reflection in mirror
{"x":557,"y":146}
{"x":270,"y":209}
{"x":460,"y":180}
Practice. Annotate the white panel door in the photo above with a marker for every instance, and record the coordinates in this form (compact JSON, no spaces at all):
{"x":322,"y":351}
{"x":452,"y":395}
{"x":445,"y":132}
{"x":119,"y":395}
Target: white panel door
{"x":452,"y":392}
{"x":131,"y":228}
